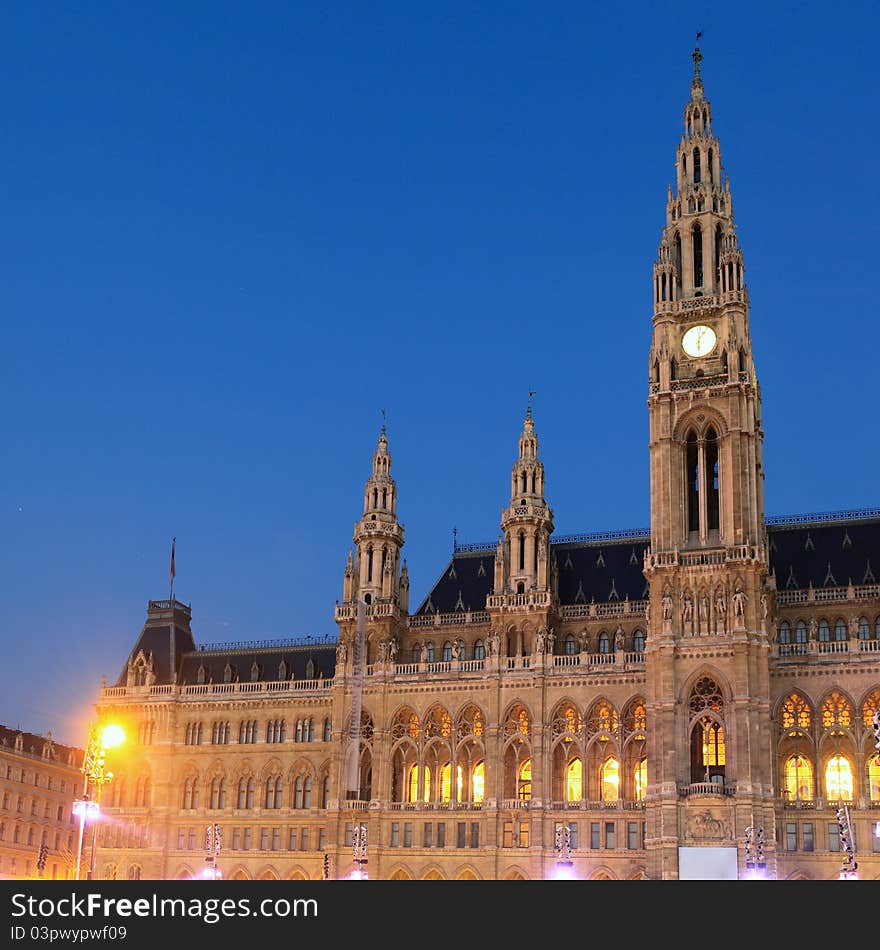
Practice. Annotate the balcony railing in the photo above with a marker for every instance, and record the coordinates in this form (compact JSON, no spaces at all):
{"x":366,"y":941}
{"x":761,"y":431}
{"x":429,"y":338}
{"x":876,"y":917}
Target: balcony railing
{"x":696,"y":789}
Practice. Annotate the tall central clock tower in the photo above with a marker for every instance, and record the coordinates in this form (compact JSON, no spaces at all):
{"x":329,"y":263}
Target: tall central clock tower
{"x":708,"y":683}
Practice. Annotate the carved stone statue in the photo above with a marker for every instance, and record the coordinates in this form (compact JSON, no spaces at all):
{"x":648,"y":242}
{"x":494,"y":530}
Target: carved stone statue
{"x":763,"y":606}
{"x":423,"y":653}
{"x":618,"y":639}
{"x":704,"y":610}
{"x":739,"y":602}
{"x":540,"y":644}
{"x":687,"y":606}
{"x":666,"y":603}
{"x":341,"y":651}
{"x":392,"y":648}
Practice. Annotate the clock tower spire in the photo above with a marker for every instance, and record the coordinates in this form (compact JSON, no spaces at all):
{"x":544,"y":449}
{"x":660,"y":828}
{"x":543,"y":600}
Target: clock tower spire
{"x":707,"y":563}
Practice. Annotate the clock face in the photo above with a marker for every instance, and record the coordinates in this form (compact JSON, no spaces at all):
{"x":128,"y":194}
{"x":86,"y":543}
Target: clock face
{"x":698,"y":341}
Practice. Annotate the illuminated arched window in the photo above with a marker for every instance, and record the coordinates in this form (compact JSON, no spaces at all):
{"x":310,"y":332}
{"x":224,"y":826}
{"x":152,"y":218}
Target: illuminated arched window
{"x":641,"y":780}
{"x":836,"y":711}
{"x":796,"y":712}
{"x":873,"y":769}
{"x":412,"y":784}
{"x":478,"y":781}
{"x":610,"y":780}
{"x":574,"y":781}
{"x":524,"y":781}
{"x":426,"y":791}
{"x":838,"y":779}
{"x":869,"y":707}
{"x":445,"y":782}
{"x":799,"y":779}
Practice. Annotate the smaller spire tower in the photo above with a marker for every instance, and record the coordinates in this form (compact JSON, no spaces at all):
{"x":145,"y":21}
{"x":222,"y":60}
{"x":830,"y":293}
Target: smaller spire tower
{"x":374,"y":572}
{"x":527,"y":522}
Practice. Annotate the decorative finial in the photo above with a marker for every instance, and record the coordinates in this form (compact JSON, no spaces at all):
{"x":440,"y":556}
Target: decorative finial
{"x":454,"y":540}
{"x":532,"y":392}
{"x":697,"y":57}
{"x":383,"y":421}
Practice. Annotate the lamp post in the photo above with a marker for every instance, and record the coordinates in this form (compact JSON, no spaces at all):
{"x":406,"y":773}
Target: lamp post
{"x":359,"y":850}
{"x":213,"y":844}
{"x":755,"y":863}
{"x":95,"y":772}
{"x":564,"y":866}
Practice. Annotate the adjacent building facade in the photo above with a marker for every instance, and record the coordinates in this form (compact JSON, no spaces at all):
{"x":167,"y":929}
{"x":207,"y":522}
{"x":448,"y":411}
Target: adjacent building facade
{"x":694,"y":699}
{"x":39,"y":781}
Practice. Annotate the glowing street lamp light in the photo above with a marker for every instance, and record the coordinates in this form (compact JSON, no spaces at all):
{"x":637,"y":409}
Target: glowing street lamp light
{"x":94,"y":771}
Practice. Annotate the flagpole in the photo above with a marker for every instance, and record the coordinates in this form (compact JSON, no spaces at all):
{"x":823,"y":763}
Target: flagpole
{"x":172,"y":667}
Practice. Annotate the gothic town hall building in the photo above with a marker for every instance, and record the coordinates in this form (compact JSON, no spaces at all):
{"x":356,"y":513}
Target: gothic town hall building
{"x":691,"y":701}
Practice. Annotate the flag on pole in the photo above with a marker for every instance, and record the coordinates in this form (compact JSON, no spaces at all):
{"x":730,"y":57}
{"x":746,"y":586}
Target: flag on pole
{"x":171,"y":578}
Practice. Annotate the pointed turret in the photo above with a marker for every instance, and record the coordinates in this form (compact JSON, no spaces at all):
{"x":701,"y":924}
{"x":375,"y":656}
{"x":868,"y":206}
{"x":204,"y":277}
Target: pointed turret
{"x":374,"y":573}
{"x":527,"y":522}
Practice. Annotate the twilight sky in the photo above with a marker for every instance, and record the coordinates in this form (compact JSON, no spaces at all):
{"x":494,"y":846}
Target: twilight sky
{"x":232,"y":233}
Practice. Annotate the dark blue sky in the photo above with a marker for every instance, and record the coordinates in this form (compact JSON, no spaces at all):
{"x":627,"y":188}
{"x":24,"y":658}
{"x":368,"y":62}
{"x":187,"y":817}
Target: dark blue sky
{"x":232,"y":233}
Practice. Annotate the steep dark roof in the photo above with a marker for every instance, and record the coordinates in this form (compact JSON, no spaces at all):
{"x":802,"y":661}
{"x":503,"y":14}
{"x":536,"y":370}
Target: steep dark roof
{"x":609,"y":569}
{"x":296,"y":657}
{"x":830,"y":550}
{"x":825,"y":554}
{"x":33,"y":745}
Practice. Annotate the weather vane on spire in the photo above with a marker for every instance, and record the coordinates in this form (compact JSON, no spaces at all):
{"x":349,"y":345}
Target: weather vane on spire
{"x":697,"y":56}
{"x":383,"y":419}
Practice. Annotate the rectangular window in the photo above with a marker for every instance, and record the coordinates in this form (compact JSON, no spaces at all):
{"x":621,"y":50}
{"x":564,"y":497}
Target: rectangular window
{"x":276,"y":839}
{"x":508,"y":835}
{"x":791,"y":837}
{"x":247,"y":839}
{"x":594,"y":835}
{"x":523,"y":841}
{"x":807,"y":836}
{"x":181,"y":839}
{"x":632,"y":835}
{"x":441,"y":834}
{"x":833,"y":836}
{"x":304,"y":840}
{"x":573,"y":832}
{"x":349,"y":834}
{"x":407,"y":834}
{"x":191,"y":845}
{"x":610,"y":835}
{"x":322,"y":839}
{"x":475,"y":834}
{"x":264,"y":839}
{"x":236,"y":839}
{"x":291,"y":846}
{"x":395,"y":834}
{"x":428,"y":834}
{"x":462,"y":833}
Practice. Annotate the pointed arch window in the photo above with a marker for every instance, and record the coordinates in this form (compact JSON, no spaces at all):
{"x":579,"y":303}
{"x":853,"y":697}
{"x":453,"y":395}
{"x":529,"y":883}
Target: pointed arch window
{"x":524,"y":781}
{"x":697,"y":238}
{"x":574,"y":781}
{"x":479,"y":650}
{"x":640,"y":780}
{"x":639,"y":641}
{"x":478,"y":783}
{"x":800,"y":632}
{"x":840,"y":630}
{"x":522,"y":550}
{"x":798,"y":779}
{"x":838,"y":779}
{"x":692,"y":475}
{"x":370,"y":564}
{"x":604,"y":643}
{"x":609,"y":779}
{"x":446,"y":782}
{"x":824,"y":631}
{"x":712,"y":507}
{"x":873,"y":774}
{"x":696,"y":166}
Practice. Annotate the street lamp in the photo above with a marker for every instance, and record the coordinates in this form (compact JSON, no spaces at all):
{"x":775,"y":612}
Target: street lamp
{"x":755,"y":864}
{"x":564,"y":867}
{"x":360,"y":853}
{"x":213,"y":844}
{"x":95,"y":772}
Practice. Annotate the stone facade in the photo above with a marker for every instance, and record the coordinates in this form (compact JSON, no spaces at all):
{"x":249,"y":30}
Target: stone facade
{"x":39,"y":780}
{"x":622,"y":706}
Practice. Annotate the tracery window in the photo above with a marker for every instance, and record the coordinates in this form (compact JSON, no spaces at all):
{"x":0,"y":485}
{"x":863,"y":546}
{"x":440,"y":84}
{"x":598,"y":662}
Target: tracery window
{"x":574,"y":781}
{"x":640,"y":780}
{"x":836,"y":711}
{"x":524,"y":781}
{"x":873,"y":774}
{"x":796,"y":712}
